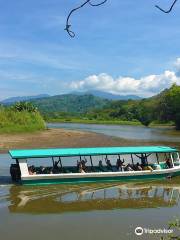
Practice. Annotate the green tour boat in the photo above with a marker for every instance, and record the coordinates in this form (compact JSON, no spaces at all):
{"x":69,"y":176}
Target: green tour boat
{"x":99,"y":164}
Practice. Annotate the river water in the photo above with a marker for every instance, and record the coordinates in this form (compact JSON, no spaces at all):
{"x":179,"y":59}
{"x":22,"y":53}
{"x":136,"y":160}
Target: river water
{"x":89,"y":211}
{"x":124,"y":131}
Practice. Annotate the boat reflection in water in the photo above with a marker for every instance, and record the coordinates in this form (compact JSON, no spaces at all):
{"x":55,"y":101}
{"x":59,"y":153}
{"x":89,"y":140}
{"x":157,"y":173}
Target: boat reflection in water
{"x":78,"y":198}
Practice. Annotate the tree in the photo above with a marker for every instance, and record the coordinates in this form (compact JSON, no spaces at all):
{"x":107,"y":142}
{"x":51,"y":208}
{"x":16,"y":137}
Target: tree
{"x":144,"y":112}
{"x":24,"y":106}
{"x":169,"y":106}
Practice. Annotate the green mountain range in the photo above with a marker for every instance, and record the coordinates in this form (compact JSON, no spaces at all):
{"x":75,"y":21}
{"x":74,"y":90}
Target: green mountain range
{"x":12,"y":100}
{"x":69,"y":103}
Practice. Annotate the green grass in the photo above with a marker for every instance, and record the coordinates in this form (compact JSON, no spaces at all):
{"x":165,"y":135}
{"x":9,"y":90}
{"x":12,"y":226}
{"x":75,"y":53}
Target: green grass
{"x":158,"y":124}
{"x":76,"y":120}
{"x":18,"y":122}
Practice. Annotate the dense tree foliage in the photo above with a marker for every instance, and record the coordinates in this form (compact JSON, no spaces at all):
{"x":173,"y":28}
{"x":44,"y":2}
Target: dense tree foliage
{"x":69,"y":103}
{"x":162,"y":108}
{"x":168,"y":108}
{"x":139,"y":110}
{"x":24,"y":106}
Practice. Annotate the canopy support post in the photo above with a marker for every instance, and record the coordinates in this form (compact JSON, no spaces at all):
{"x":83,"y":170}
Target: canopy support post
{"x":53,"y":161}
{"x":157,"y":157}
{"x":178,"y":157}
{"x":91,"y":161}
{"x":146,"y":158}
{"x":172,"y":159}
{"x":132,"y":159}
{"x":60,"y":162}
{"x":92,"y":167}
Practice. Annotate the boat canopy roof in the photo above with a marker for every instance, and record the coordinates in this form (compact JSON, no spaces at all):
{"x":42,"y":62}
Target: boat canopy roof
{"x":65,"y":152}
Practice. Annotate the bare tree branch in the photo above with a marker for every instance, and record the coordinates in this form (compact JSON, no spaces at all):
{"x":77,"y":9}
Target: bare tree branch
{"x":68,"y":25}
{"x":170,"y":9}
{"x":98,"y":4}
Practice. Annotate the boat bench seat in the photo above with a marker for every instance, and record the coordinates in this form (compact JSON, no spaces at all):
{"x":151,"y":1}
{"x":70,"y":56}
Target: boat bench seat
{"x":163,"y":165}
{"x":47,"y":170}
{"x":176,"y":164}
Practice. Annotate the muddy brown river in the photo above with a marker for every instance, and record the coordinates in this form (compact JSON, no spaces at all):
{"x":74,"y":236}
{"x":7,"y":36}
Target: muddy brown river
{"x":87,"y":211}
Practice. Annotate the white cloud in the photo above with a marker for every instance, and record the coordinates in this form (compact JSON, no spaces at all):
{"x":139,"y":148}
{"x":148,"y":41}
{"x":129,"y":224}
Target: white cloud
{"x":177,"y":63}
{"x":177,"y":66}
{"x":145,"y":86}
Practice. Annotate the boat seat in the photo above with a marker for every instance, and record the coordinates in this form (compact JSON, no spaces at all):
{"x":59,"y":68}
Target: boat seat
{"x":156,"y":166}
{"x":163,"y":165}
{"x":176,"y":164}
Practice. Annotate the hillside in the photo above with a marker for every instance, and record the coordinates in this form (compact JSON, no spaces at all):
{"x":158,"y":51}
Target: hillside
{"x":69,"y":103}
{"x":162,"y":108}
{"x":109,"y":96}
{"x":23,"y":98}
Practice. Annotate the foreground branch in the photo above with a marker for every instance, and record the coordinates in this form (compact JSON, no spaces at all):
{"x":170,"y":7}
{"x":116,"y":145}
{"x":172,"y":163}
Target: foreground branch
{"x":68,"y":25}
{"x":170,"y":9}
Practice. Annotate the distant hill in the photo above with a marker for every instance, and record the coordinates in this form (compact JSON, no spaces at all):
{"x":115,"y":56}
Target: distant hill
{"x":76,"y":103}
{"x":70,"y":103}
{"x":23,"y":98}
{"x":109,"y":96}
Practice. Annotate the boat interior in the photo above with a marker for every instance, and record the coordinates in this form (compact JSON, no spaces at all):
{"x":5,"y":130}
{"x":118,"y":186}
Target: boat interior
{"x":89,"y":164}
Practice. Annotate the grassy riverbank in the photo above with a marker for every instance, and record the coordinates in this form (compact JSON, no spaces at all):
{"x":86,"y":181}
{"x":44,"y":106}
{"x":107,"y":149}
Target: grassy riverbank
{"x":87,"y":121}
{"x":12,"y":121}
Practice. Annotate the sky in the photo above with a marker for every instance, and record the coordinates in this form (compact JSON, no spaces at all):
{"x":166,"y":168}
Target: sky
{"x":122,"y":47}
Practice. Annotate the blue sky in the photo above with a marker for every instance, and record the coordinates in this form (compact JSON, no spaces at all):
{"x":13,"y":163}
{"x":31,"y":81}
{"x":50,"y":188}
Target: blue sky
{"x":123,"y":47}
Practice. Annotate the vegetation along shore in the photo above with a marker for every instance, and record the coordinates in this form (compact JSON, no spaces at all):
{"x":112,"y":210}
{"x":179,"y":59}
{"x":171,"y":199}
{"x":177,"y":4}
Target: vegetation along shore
{"x":21,"y":117}
{"x":162,"y":109}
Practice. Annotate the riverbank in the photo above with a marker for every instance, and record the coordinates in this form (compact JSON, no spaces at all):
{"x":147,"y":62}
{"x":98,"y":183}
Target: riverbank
{"x":107,"y":122}
{"x":87,"y":121}
{"x":54,"y":138}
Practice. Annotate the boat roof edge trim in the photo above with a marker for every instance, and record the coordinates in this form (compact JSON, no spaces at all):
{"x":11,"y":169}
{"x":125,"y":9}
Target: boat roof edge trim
{"x":64,"y":152}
